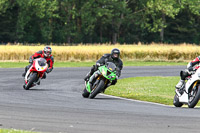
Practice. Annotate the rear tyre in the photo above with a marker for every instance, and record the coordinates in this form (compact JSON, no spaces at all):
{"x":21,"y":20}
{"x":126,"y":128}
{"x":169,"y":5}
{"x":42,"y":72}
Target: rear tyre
{"x":194,"y":98}
{"x":85,"y":93}
{"x":176,"y":101}
{"x":33,"y":78}
{"x":97,"y":90}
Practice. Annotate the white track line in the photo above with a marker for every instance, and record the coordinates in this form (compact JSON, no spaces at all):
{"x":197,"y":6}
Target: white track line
{"x":136,"y":100}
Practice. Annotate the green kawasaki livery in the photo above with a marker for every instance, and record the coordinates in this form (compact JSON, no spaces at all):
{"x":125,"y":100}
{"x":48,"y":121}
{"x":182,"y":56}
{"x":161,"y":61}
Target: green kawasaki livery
{"x":100,"y":80}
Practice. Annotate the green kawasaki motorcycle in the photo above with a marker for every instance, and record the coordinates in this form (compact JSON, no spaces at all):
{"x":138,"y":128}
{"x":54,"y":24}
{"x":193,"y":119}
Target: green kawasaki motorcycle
{"x":100,"y":80}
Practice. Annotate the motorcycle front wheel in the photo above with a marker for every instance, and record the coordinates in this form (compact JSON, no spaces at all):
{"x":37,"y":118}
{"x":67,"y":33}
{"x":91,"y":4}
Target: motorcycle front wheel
{"x":193,"y":97}
{"x":33,"y":78}
{"x":97,"y":89}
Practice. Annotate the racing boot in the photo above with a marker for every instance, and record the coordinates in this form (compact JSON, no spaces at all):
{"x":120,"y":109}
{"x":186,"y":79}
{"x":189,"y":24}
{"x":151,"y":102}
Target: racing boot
{"x":24,"y":73}
{"x":93,"y":69}
{"x":180,"y":84}
{"x":44,"y":76}
{"x":26,"y":68}
{"x":38,"y":83}
{"x":179,"y":91}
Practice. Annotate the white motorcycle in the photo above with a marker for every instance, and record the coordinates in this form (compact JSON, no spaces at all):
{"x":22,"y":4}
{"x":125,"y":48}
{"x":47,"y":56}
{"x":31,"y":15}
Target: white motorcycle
{"x":189,"y":94}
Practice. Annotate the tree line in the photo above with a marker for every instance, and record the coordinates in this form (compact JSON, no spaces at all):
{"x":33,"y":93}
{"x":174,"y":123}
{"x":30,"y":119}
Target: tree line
{"x":100,"y":21}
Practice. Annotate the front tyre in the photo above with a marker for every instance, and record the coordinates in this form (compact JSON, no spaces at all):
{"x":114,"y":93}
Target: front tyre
{"x":193,"y":97}
{"x":97,"y":89}
{"x":33,"y":78}
{"x":176,"y":101}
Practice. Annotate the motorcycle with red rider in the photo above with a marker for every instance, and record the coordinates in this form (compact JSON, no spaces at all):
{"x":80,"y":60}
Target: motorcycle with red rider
{"x":40,"y":64}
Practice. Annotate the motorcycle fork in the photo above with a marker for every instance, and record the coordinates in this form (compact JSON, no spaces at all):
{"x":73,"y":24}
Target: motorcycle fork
{"x":38,"y":75}
{"x":105,"y":83}
{"x":194,"y":87}
{"x":93,"y":87}
{"x":97,"y":80}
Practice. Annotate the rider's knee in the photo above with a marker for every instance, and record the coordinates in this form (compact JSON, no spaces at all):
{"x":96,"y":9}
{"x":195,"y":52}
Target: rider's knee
{"x":114,"y":82}
{"x":184,"y":74}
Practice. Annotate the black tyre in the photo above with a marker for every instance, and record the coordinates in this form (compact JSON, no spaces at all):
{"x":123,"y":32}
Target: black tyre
{"x":97,"y":89}
{"x":193,"y":98}
{"x":176,"y":101}
{"x":33,"y":78}
{"x":85,"y":93}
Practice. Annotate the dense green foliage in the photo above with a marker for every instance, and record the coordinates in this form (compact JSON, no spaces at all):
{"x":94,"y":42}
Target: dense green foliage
{"x":100,"y":21}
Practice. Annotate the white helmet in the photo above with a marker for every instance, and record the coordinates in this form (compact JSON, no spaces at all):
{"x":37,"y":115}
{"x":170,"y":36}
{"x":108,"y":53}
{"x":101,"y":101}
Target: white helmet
{"x":47,"y":51}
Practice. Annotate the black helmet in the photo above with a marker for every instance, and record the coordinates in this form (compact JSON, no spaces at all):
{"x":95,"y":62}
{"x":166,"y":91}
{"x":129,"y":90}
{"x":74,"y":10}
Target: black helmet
{"x":47,"y":51}
{"x":115,"y":53}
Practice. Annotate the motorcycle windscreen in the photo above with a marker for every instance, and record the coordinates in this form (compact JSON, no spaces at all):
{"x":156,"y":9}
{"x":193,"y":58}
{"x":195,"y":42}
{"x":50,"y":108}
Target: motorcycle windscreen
{"x":42,"y":62}
{"x":111,"y":66}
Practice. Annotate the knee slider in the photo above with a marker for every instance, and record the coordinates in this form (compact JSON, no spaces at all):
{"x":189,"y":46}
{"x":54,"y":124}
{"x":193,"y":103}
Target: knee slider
{"x":184,"y":74}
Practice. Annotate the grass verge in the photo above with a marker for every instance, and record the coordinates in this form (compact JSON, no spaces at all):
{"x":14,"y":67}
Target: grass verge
{"x":14,"y":131}
{"x":152,"y":89}
{"x":89,"y":64}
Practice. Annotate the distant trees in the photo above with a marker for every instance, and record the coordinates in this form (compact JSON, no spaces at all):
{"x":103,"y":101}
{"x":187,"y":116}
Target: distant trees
{"x":100,"y":21}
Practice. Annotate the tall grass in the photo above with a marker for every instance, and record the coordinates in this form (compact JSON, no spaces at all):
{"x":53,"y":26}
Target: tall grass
{"x":152,"y":52}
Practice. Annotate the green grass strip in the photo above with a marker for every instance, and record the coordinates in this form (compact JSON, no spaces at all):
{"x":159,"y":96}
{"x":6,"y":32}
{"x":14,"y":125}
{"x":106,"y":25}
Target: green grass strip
{"x":152,"y":89}
{"x":14,"y":131}
{"x":89,"y":64}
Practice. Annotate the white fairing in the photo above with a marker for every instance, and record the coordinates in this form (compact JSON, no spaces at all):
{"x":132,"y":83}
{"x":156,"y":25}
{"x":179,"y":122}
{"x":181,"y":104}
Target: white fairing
{"x":184,"y":97}
{"x":38,"y":68}
{"x":27,"y":73}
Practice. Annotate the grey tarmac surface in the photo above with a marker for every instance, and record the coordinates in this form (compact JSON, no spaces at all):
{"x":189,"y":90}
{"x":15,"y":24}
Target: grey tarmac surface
{"x":56,"y":106}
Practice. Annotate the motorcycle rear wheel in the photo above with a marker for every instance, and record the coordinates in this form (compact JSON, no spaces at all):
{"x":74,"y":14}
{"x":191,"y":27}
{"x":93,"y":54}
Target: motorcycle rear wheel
{"x":176,"y":101}
{"x":194,"y":101}
{"x":97,"y":90}
{"x":32,"y":79}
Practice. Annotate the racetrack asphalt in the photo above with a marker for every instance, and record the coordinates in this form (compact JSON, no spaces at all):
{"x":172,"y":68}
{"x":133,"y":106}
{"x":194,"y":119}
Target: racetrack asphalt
{"x":56,"y":106}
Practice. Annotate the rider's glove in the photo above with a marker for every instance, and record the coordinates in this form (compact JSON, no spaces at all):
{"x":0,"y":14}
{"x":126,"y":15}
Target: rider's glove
{"x":48,"y":70}
{"x":98,"y":64}
{"x":189,"y":65}
{"x":117,"y":77}
{"x":30,"y":60}
{"x":190,"y":69}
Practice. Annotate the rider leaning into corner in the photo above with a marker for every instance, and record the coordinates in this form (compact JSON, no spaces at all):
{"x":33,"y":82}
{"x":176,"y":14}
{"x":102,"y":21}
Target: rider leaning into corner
{"x":46,"y":54}
{"x":191,"y":68}
{"x":113,"y":57}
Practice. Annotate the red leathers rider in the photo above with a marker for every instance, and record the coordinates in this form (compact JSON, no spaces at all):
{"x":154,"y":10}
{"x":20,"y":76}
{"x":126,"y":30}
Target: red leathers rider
{"x":46,"y":54}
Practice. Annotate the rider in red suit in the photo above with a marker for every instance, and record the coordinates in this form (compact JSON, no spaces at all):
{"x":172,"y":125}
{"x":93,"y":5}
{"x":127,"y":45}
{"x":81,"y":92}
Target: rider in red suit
{"x":191,"y":68}
{"x":46,"y":54}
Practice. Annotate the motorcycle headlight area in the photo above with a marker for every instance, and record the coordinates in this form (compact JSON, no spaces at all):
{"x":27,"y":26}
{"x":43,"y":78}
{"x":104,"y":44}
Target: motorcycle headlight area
{"x":111,"y":77}
{"x":103,"y":72}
